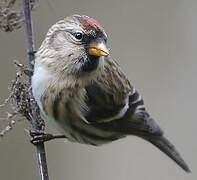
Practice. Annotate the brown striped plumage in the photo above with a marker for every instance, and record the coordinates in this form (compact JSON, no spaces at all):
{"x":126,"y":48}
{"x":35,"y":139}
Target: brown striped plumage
{"x":83,"y":91}
{"x":62,"y":107}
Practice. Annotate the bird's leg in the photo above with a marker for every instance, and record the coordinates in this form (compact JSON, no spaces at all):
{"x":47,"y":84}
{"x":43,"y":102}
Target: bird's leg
{"x":38,"y":137}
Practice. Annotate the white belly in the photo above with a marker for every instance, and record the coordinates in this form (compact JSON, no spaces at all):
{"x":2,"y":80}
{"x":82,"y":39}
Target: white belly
{"x":40,"y":80}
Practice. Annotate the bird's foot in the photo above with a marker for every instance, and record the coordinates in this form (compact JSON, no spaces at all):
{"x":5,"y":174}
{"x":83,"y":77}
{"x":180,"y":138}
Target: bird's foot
{"x":38,"y":137}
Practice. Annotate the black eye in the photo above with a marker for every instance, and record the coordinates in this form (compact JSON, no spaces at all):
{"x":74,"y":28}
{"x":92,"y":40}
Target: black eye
{"x":78,"y":35}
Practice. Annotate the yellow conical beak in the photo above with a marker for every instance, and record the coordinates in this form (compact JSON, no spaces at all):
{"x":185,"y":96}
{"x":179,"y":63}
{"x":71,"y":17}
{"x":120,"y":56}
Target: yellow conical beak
{"x":98,"y":48}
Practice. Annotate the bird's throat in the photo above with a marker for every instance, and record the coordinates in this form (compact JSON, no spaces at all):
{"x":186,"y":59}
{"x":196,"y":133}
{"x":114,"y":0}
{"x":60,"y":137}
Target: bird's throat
{"x":90,"y":63}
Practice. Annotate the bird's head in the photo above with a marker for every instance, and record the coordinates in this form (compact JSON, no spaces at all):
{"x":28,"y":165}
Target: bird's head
{"x":75,"y":45}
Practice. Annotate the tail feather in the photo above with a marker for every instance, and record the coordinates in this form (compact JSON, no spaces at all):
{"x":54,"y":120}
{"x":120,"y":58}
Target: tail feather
{"x":142,"y":125}
{"x":165,"y":146}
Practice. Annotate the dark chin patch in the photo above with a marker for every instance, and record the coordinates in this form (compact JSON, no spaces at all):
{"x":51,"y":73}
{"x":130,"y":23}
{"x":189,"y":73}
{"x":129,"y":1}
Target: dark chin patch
{"x":90,"y":63}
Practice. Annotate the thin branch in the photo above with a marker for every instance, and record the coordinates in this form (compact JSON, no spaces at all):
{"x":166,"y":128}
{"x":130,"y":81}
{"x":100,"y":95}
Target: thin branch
{"x":37,"y":125}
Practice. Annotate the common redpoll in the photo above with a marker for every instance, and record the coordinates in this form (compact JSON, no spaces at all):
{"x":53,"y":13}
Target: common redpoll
{"x":85,"y":94}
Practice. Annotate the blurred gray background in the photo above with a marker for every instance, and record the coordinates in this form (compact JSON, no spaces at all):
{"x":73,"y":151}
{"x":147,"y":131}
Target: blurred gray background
{"x":155,"y":42}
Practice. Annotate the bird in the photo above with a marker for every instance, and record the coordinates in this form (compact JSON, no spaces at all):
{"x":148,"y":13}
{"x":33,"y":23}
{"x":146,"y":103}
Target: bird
{"x":84,"y":93}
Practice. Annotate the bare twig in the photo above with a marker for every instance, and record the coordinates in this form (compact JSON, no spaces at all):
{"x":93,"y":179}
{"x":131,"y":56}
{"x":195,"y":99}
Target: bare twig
{"x":11,"y":14}
{"x":37,"y":125}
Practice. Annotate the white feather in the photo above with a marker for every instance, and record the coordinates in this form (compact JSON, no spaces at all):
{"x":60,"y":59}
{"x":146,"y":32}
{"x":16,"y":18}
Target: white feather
{"x":40,"y":81}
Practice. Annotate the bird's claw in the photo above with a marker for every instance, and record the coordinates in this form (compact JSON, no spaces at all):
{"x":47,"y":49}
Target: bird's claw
{"x":38,"y":137}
